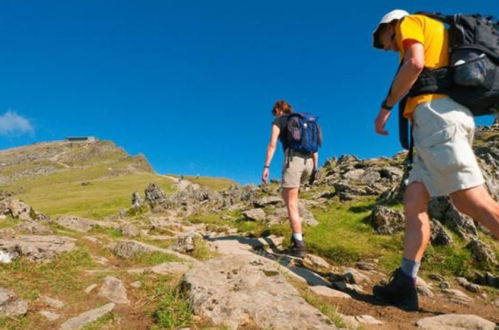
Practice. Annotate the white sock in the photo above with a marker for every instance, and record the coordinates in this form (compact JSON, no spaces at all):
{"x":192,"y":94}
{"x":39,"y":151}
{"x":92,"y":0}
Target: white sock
{"x":298,"y":236}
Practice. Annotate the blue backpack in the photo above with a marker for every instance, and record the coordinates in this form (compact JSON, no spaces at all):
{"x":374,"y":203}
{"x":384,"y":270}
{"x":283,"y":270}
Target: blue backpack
{"x":303,"y":133}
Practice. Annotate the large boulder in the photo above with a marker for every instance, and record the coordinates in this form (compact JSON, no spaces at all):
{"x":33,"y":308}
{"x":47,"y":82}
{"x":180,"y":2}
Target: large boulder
{"x":386,"y":221}
{"x":482,"y":252}
{"x":37,"y":248}
{"x":20,"y":210}
{"x":254,"y":215}
{"x":11,"y":304}
{"x":247,"y":290}
{"x":455,"y":322}
{"x":154,"y":195}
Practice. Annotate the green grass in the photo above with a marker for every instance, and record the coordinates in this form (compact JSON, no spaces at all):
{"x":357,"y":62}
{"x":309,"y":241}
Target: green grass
{"x":63,"y":193}
{"x":201,"y":250}
{"x":149,"y":259}
{"x":9,"y":222}
{"x":173,"y":310}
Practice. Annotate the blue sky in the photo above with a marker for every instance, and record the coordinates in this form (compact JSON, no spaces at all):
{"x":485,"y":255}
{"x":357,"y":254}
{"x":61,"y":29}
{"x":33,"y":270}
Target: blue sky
{"x":190,"y":84}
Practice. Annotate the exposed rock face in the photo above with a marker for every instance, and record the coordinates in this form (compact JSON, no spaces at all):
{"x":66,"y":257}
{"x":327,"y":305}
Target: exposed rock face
{"x":386,"y":221}
{"x":37,"y":248}
{"x":129,"y":230}
{"x":154,"y":195}
{"x":254,"y":214}
{"x":246,"y":290}
{"x":438,"y":234}
{"x":35,"y":228}
{"x":186,"y":243}
{"x":83,"y":319}
{"x":20,"y":210}
{"x":81,"y":224}
{"x":11,"y":304}
{"x":455,"y":322}
{"x":113,"y":290}
{"x":136,"y":200}
{"x":481,"y":252}
{"x":128,"y":249}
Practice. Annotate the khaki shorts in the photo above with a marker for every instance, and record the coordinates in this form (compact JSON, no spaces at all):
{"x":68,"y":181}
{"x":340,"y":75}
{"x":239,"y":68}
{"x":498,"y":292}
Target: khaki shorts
{"x":444,"y":160}
{"x":296,"y":170}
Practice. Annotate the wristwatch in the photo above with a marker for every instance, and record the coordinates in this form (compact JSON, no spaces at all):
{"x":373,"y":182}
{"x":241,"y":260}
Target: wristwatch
{"x":265,"y":166}
{"x":384,"y":105}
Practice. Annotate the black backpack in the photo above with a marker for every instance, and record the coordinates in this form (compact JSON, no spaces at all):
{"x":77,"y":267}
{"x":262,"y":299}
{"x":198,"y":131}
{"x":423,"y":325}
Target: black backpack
{"x":472,"y":78}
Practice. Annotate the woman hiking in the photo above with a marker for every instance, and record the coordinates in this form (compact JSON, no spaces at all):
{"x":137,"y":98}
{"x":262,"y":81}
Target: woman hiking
{"x":298,"y":167}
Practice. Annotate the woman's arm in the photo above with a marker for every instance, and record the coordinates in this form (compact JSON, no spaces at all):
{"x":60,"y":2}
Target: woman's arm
{"x":270,"y":152}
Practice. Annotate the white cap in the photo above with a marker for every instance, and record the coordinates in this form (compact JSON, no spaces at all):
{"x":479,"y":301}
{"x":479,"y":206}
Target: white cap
{"x":396,"y":14}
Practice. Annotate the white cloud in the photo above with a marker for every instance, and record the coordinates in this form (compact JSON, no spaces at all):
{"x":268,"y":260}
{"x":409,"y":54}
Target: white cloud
{"x":13,"y":124}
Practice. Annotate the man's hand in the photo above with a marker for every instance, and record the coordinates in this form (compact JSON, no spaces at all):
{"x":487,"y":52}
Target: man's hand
{"x":380,"y":122}
{"x":265,"y":175}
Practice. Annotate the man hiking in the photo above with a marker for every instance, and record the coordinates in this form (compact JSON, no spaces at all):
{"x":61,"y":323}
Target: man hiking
{"x":444,"y":163}
{"x":299,"y":164}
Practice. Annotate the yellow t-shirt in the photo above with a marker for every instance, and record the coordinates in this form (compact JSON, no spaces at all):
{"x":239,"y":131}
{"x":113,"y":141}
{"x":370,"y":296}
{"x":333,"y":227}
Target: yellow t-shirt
{"x":433,"y":35}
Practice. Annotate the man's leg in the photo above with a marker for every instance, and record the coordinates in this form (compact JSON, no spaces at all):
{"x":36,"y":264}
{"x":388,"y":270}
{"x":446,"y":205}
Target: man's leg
{"x":477,"y":203}
{"x":401,"y":290}
{"x":417,"y":222}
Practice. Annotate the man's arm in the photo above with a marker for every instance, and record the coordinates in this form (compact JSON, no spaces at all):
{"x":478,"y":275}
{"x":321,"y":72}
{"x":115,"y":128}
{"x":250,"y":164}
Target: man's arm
{"x":402,"y":83}
{"x":270,"y":152}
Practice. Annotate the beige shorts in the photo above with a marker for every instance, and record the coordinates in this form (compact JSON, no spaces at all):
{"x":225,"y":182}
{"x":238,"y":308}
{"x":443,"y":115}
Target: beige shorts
{"x":296,"y":170}
{"x":444,"y":160}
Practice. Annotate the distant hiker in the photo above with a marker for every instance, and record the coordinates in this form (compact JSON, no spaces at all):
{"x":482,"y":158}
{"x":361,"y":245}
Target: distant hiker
{"x":444,"y":163}
{"x":300,"y":137}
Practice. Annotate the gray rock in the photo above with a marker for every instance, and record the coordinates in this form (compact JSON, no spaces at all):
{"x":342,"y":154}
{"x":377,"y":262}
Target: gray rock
{"x":354,"y":174}
{"x":316,"y":263}
{"x":187,"y":243}
{"x":129,"y":230}
{"x":438,"y":234}
{"x":482,"y":252}
{"x":80,"y":321}
{"x":457,"y":296}
{"x":468,"y":286}
{"x":20,"y":210}
{"x":11,"y":304}
{"x":353,"y":276}
{"x":35,"y":228}
{"x":154,"y":195}
{"x":81,"y":224}
{"x":387,"y":221}
{"x":129,"y":248}
{"x":455,"y":322}
{"x":113,"y":290}
{"x":90,"y":288}
{"x":49,"y":315}
{"x":167,"y":268}
{"x":254,"y":214}
{"x":136,"y":200}
{"x":238,"y":290}
{"x":326,"y":292}
{"x":51,"y":302}
{"x":269,"y":200}
{"x":37,"y":248}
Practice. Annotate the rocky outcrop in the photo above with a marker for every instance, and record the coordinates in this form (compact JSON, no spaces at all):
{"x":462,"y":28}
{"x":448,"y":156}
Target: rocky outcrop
{"x":83,"y":319}
{"x":20,"y":210}
{"x":83,"y":225}
{"x":386,"y":221}
{"x":11,"y":304}
{"x":36,"y":248}
{"x":113,"y":290}
{"x":246,"y":290}
{"x":455,"y":322}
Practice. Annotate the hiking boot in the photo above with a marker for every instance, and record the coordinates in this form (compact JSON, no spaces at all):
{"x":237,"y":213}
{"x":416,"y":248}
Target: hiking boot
{"x":400,"y":291}
{"x":297,"y":249}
